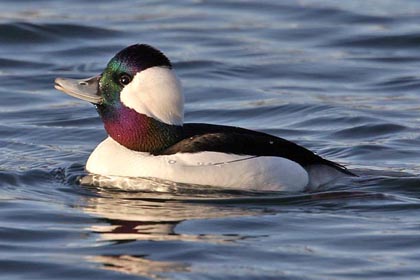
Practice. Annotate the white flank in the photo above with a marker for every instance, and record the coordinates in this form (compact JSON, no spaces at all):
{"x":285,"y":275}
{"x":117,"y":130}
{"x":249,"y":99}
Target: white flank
{"x":156,"y":92}
{"x":204,"y":168}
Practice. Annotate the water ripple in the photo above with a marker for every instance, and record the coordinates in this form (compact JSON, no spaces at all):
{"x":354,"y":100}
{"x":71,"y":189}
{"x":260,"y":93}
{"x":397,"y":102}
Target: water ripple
{"x":23,"y":32}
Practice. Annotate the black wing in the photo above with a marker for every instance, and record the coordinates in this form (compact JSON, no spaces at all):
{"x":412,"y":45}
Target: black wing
{"x":235,"y":140}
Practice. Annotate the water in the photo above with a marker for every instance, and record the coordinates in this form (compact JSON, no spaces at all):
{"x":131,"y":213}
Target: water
{"x":339,"y":77}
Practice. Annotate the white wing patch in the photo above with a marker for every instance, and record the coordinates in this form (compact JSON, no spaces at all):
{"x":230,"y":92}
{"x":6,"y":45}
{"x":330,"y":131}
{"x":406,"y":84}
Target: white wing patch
{"x":156,"y":92}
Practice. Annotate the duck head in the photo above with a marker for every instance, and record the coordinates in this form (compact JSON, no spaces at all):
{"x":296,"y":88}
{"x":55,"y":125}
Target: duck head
{"x":138,"y":97}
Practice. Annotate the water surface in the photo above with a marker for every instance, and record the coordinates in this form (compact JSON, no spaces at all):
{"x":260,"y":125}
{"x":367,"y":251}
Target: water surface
{"x":340,"y":78}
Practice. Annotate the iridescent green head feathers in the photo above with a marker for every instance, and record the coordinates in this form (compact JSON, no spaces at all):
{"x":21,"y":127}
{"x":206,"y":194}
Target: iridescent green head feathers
{"x":138,"y":97}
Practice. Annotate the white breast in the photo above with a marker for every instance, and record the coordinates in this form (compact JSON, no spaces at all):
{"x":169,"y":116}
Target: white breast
{"x":204,"y":168}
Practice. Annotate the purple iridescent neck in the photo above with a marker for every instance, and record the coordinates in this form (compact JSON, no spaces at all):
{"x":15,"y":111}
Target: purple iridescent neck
{"x":136,"y":131}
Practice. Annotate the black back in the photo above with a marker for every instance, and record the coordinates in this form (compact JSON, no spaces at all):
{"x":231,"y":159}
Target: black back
{"x":200,"y":137}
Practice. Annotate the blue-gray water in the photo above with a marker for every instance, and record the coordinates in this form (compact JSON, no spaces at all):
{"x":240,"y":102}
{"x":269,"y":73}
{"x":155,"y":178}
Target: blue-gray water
{"x":339,"y":77}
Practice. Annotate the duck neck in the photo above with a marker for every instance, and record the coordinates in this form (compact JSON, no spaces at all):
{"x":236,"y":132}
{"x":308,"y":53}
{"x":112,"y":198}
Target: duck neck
{"x":138,"y":132}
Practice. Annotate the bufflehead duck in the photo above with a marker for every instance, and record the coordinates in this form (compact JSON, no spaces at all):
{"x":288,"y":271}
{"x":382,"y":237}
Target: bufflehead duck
{"x":140,"y":101}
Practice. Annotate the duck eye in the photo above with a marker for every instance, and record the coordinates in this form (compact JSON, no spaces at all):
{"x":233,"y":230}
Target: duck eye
{"x":124,"y":79}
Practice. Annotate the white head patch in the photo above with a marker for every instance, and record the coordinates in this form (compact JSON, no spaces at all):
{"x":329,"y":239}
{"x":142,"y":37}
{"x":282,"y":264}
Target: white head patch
{"x":156,"y":92}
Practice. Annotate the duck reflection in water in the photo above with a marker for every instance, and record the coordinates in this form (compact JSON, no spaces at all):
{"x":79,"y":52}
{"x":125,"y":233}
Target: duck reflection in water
{"x":154,"y":216}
